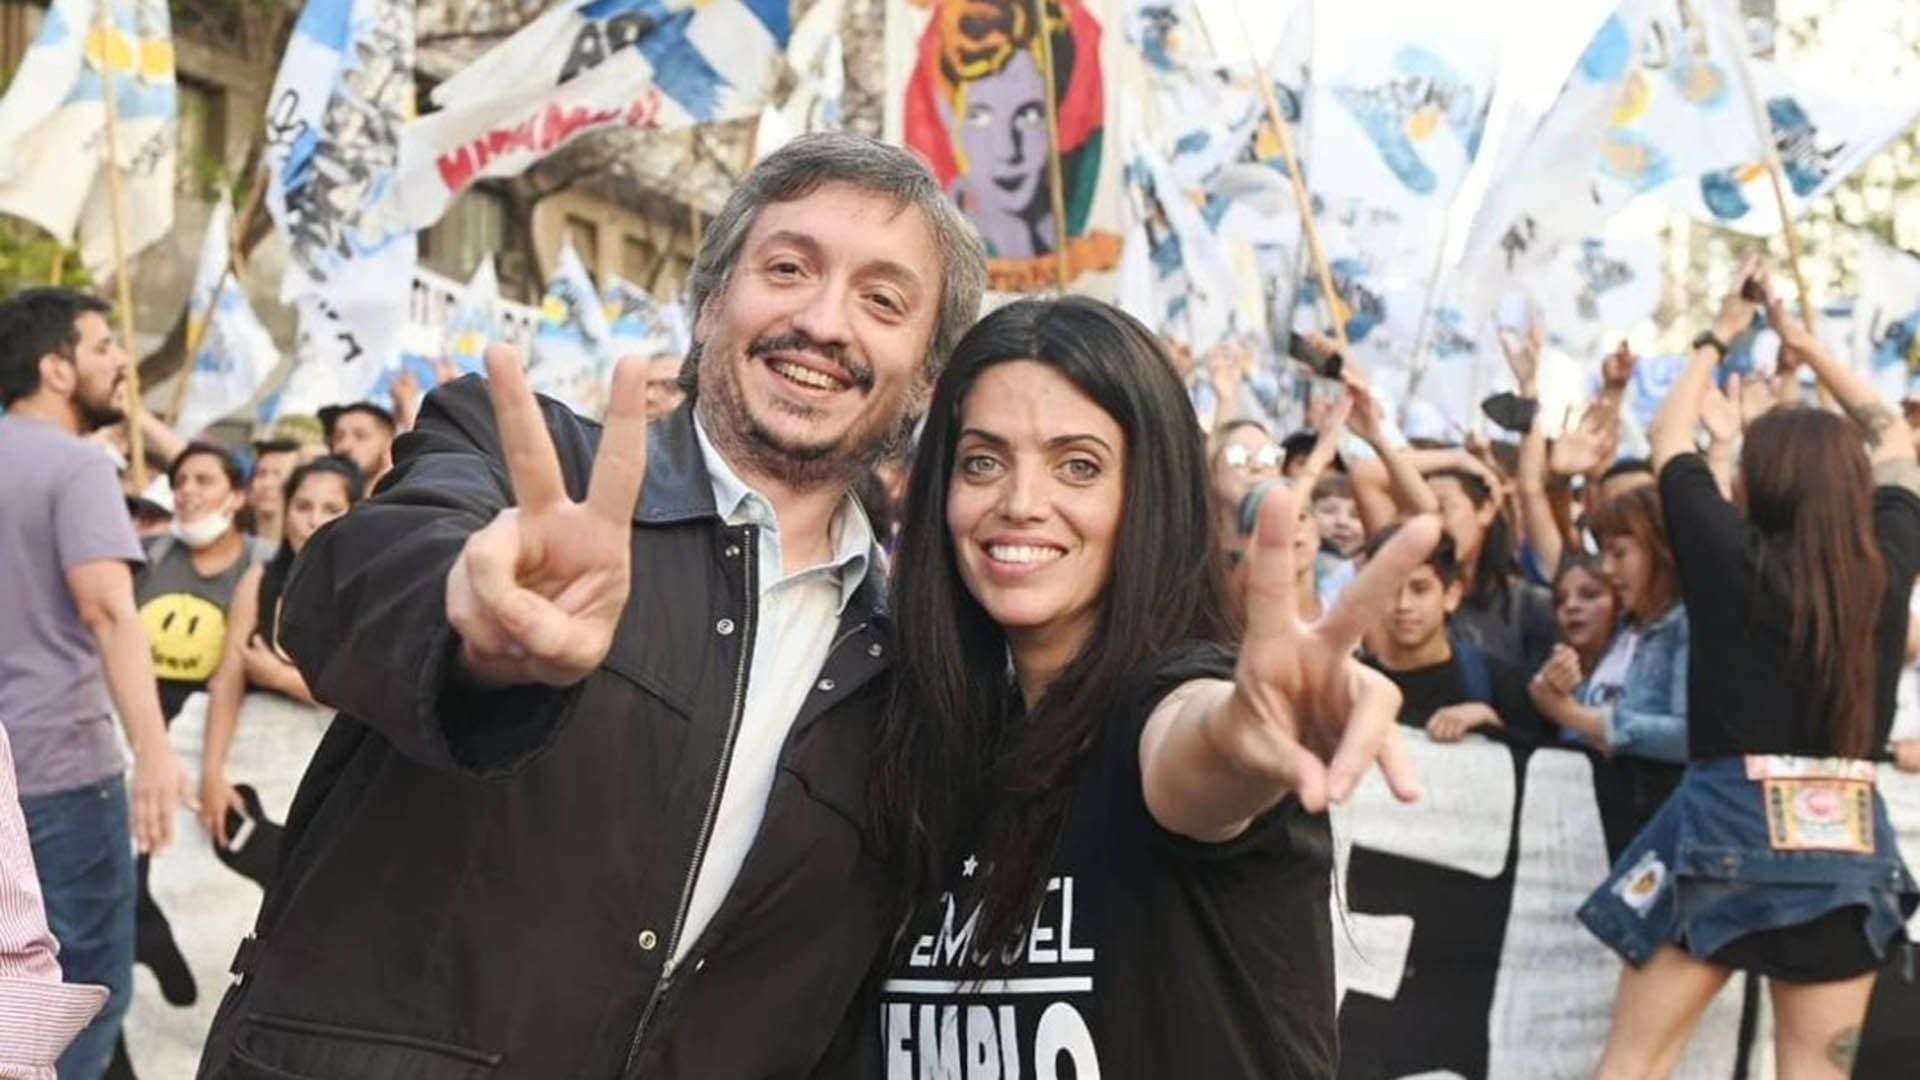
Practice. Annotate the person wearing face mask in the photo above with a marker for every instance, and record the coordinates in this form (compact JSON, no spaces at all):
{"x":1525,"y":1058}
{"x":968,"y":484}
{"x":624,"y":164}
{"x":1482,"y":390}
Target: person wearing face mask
{"x":191,"y":572}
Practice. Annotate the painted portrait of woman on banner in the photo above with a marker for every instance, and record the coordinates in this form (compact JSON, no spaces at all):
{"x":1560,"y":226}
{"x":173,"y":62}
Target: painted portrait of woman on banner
{"x":975,"y":108}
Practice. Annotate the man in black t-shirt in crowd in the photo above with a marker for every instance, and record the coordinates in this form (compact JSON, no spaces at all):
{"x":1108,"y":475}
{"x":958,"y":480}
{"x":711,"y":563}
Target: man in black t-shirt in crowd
{"x":1448,"y":687}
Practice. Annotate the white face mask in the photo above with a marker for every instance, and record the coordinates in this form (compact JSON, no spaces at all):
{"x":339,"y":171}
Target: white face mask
{"x":199,"y":534}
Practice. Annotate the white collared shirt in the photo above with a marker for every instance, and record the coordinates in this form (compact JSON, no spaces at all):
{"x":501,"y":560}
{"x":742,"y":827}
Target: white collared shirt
{"x":793,"y":631}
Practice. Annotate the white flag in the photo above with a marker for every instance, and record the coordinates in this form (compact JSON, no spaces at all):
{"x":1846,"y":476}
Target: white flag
{"x":333,"y":119}
{"x":1176,"y":276}
{"x":235,"y":354}
{"x":1887,"y":319}
{"x":1822,"y":137}
{"x":1402,"y":96}
{"x":1598,"y":290}
{"x":819,"y":65}
{"x":475,"y":320}
{"x":1654,"y":97}
{"x":639,"y":325}
{"x":53,"y":135}
{"x":589,"y":65}
{"x":571,"y":346}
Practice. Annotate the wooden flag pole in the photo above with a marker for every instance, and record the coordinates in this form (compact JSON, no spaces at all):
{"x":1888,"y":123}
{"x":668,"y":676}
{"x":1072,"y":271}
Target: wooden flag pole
{"x":1056,"y":182}
{"x":116,"y":202}
{"x":1336,"y":310}
{"x":1776,"y":175}
{"x":197,"y":335}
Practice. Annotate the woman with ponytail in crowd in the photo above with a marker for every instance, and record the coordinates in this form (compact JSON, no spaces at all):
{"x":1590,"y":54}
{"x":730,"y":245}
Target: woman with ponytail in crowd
{"x":1774,"y":856}
{"x":1110,"y":828}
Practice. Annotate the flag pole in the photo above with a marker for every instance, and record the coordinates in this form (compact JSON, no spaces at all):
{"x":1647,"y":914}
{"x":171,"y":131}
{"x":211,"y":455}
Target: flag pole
{"x":59,"y":268}
{"x":1420,"y":360}
{"x":197,"y":335}
{"x":1056,"y":183}
{"x":1771,"y":153}
{"x":116,"y":202}
{"x":1336,"y":310}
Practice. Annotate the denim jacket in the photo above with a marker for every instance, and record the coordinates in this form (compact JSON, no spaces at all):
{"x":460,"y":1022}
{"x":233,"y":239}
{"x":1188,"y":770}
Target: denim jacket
{"x":1649,"y":717}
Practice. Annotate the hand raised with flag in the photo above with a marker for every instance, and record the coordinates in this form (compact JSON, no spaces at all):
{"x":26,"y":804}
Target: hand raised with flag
{"x":1305,"y":713}
{"x":536,"y":594}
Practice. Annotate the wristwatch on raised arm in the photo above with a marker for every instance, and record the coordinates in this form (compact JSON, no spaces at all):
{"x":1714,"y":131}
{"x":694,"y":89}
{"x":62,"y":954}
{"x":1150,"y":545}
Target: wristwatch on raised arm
{"x":1709,"y":340}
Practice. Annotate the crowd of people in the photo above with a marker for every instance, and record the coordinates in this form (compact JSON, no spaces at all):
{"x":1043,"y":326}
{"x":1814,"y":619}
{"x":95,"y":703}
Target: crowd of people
{"x":906,"y":690}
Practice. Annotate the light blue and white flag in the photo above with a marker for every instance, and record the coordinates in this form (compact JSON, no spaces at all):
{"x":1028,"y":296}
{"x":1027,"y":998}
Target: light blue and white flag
{"x":235,"y":354}
{"x":583,"y":66}
{"x":475,"y":320}
{"x":639,"y":325}
{"x":1175,"y":274}
{"x":572,"y":345}
{"x":1402,"y":90}
{"x":333,"y":120}
{"x":817,"y":58}
{"x":1654,"y":97}
{"x":1886,"y":319}
{"x":1593,"y":292}
{"x":1822,"y":135}
{"x":53,"y":120}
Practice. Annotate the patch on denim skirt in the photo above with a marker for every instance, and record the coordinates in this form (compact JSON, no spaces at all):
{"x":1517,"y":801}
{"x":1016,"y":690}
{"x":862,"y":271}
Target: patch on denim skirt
{"x":1639,"y":887}
{"x":1819,"y":815}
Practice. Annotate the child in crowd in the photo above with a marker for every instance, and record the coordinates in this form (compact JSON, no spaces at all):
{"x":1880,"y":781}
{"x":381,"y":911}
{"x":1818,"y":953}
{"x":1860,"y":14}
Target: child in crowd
{"x":1448,"y":687}
{"x":1634,"y":699}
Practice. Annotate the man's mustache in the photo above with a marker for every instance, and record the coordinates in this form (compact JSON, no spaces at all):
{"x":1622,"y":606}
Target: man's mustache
{"x":857,"y":371}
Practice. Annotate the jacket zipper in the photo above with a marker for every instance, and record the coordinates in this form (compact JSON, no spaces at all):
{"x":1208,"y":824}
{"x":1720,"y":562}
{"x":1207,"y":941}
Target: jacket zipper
{"x":749,"y":557}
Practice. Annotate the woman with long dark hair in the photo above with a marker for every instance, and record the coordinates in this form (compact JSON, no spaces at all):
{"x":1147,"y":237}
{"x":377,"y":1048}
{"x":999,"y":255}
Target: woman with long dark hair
{"x":315,"y":493}
{"x":1774,"y":856}
{"x":1501,"y":613}
{"x":1110,"y":828}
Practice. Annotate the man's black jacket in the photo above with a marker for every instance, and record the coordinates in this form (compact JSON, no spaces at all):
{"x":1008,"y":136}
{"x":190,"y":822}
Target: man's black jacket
{"x":490,"y":885}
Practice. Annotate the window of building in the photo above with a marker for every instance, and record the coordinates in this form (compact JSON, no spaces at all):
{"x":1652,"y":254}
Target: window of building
{"x":636,"y":259}
{"x":203,"y":135}
{"x":586,"y":241}
{"x":474,"y":225}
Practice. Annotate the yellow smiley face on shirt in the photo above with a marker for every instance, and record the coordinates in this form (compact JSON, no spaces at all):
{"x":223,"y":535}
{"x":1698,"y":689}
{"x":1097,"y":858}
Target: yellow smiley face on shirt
{"x":187,"y":635}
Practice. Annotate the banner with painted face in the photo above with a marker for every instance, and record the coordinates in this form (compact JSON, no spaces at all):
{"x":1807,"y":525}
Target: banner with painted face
{"x":966,"y":91}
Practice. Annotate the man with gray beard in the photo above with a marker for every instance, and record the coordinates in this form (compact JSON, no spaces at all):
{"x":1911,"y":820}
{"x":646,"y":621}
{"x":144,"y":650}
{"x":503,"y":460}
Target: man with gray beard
{"x":595,"y":802}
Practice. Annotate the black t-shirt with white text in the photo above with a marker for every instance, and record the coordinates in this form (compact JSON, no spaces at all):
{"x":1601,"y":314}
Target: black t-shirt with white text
{"x":1152,"y":955}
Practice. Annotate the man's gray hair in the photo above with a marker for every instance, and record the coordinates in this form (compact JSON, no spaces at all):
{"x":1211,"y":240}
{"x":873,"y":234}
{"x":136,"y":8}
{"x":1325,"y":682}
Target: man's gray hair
{"x":801,"y":167}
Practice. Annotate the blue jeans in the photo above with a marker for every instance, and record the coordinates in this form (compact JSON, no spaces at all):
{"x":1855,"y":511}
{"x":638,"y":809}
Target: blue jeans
{"x":1709,"y":869}
{"x":83,"y":849}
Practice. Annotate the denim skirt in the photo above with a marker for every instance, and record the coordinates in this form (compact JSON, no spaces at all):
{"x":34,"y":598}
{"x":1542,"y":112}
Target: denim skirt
{"x":1756,"y":843}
